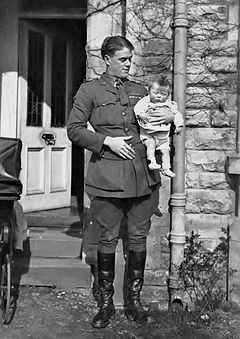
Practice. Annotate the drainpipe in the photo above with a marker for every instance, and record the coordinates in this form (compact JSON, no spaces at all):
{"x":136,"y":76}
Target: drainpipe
{"x":238,"y":116}
{"x":177,"y":199}
{"x":124,"y":16}
{"x":233,"y":161}
{"x":238,"y":86}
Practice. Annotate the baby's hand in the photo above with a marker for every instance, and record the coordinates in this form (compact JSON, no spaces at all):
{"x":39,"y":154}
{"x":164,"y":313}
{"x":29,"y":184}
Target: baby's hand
{"x":143,"y":118}
{"x":149,"y":111}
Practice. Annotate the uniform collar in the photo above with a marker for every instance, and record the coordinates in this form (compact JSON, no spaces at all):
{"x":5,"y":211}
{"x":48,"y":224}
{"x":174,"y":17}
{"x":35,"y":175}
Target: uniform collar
{"x":107,"y":81}
{"x":110,"y":79}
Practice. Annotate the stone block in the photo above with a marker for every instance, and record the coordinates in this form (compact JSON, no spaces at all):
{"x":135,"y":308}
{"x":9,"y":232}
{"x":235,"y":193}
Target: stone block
{"x":213,"y":180}
{"x":153,"y":61}
{"x":196,"y":117}
{"x":207,"y":225}
{"x":199,"y":97}
{"x":210,"y":138}
{"x":209,"y":201}
{"x":221,"y":64}
{"x":227,"y":118}
{"x":205,"y":78}
{"x":218,"y":47}
{"x":207,"y":29}
{"x":155,"y":294}
{"x":221,"y":82}
{"x":155,"y":46}
{"x":213,"y":12}
{"x":164,"y":194}
{"x":197,"y":48}
{"x":211,"y":161}
{"x":165,"y":260}
{"x":223,"y":47}
{"x":195,"y":65}
{"x":231,"y":100}
{"x":158,"y":230}
{"x":228,"y":82}
{"x":156,"y":277}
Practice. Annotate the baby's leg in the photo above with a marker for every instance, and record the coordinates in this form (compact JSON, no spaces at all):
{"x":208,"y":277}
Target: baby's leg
{"x":151,"y":147}
{"x":166,"y":162}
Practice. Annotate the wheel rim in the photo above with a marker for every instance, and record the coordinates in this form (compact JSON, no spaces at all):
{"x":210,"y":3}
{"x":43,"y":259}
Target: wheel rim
{"x":5,"y":291}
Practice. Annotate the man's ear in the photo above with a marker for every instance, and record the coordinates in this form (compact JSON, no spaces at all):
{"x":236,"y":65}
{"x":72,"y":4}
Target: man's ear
{"x":107,"y":59}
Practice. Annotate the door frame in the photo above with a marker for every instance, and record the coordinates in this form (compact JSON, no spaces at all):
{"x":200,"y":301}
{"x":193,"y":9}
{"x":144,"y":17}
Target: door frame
{"x":24,"y":26}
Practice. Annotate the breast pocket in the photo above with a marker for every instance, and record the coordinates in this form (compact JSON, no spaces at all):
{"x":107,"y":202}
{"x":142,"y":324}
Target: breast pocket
{"x":105,"y":103}
{"x":105,"y":112}
{"x":103,"y":100}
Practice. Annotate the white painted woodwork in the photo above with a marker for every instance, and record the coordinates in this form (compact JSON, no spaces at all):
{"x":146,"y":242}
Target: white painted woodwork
{"x":8,"y":67}
{"x":8,"y":104}
{"x":46,"y":170}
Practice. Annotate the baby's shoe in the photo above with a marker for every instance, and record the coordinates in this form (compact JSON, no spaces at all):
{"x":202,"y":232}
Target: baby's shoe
{"x":168,"y":173}
{"x":153,"y":165}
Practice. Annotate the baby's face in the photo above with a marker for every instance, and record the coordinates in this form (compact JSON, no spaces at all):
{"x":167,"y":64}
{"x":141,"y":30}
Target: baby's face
{"x":158,"y":93}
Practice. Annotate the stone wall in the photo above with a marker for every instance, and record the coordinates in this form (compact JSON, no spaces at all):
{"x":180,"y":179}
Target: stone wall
{"x":211,"y":114}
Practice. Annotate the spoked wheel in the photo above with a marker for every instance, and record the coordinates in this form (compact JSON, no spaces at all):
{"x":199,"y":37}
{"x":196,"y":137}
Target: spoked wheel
{"x":5,"y":289}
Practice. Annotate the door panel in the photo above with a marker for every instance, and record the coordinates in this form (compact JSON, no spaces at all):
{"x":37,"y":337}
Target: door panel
{"x":35,"y":171}
{"x":58,"y":170}
{"x":44,"y":81}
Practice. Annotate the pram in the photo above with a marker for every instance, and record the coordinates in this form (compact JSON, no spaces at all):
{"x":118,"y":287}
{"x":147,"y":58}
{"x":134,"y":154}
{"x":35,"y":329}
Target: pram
{"x":10,"y":191}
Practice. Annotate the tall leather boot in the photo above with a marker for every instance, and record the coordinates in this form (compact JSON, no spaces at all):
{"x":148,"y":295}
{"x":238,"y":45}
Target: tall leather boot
{"x":106,"y":268}
{"x":135,"y":276}
{"x":95,"y":285}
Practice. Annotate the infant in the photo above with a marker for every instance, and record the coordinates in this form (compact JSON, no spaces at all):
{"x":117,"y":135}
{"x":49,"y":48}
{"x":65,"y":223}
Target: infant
{"x":152,"y":133}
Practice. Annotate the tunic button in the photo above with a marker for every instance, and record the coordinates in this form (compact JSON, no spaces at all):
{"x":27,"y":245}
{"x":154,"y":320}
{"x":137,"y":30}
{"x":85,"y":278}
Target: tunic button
{"x":126,"y":129}
{"x":123,"y":113}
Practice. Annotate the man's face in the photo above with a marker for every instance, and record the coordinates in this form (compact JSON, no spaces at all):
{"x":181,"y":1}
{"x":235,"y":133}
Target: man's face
{"x":158,"y":93}
{"x":119,"y":64}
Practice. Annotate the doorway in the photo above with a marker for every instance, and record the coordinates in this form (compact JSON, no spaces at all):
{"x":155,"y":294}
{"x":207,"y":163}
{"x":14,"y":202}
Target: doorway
{"x":51,"y":68}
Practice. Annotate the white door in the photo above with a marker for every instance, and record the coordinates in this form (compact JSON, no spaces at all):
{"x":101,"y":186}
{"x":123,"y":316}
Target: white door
{"x":43,"y":104}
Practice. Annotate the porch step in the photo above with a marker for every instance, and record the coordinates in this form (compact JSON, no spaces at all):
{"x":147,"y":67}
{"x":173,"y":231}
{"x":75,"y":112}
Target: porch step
{"x":54,"y":243}
{"x":58,"y":272}
{"x":56,"y":218}
{"x":51,"y":257}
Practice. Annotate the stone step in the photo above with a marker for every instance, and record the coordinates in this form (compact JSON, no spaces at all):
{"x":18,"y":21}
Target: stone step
{"x":58,"y":272}
{"x":62,"y":217}
{"x":54,"y":243}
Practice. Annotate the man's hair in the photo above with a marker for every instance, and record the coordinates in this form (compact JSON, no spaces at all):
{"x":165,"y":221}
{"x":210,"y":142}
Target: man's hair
{"x":111,"y":44}
{"x":162,"y":81}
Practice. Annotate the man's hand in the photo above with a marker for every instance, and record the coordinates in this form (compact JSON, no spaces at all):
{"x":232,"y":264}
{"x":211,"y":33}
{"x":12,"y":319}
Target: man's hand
{"x":119,"y":146}
{"x":164,"y":116}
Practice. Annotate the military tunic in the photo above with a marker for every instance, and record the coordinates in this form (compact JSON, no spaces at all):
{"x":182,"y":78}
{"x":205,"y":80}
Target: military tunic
{"x":110,"y":112}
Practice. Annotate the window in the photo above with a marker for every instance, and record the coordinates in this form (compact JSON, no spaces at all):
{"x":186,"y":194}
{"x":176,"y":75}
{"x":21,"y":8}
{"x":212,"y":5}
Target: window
{"x":58,"y":101}
{"x":35,"y":78}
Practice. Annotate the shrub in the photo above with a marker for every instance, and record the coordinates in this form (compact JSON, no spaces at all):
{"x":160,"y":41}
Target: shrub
{"x":202,"y":273}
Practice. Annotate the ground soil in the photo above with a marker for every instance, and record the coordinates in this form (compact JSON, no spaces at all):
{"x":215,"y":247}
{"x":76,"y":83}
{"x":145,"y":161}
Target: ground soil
{"x":44,"y":313}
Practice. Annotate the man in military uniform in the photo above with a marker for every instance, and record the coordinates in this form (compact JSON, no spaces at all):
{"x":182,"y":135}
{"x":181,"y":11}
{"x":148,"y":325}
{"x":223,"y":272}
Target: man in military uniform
{"x":118,"y":176}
